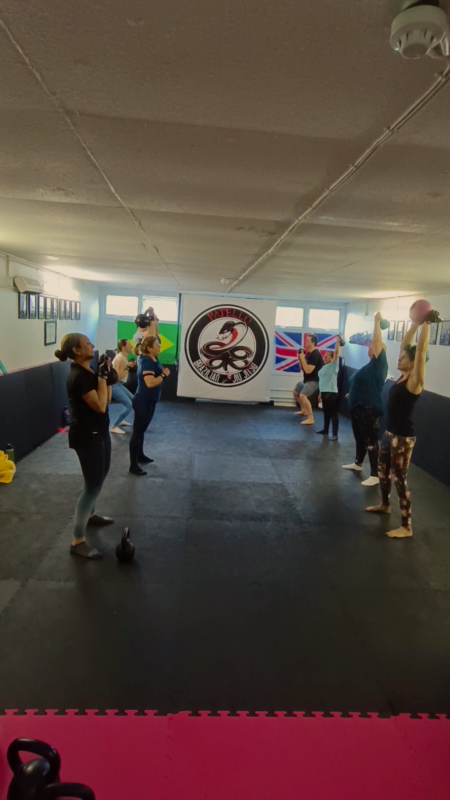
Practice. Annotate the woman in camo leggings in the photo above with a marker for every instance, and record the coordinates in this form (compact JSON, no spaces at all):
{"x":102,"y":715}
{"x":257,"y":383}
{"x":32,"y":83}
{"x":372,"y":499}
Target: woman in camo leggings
{"x":398,"y":441}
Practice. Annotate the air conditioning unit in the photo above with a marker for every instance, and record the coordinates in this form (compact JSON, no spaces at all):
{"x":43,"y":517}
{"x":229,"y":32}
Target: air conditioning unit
{"x":28,"y":285}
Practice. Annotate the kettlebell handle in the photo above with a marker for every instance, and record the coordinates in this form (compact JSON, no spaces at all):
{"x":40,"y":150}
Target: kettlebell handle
{"x":37,"y":748}
{"x":75,"y":790}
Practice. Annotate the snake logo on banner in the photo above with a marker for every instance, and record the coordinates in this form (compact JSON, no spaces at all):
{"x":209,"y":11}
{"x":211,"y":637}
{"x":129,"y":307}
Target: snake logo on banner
{"x":227,"y":345}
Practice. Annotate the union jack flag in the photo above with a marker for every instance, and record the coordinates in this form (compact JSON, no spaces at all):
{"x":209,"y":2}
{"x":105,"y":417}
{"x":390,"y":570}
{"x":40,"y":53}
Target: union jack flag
{"x":287,"y":344}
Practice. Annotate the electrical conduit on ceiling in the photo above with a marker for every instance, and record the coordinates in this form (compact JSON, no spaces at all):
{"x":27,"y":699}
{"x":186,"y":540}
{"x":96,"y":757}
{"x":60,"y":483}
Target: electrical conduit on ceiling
{"x":64,"y":114}
{"x":422,"y":101}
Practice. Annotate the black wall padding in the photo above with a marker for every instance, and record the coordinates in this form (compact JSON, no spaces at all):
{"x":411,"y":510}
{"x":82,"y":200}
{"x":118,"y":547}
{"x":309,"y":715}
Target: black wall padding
{"x":14,"y":417}
{"x":432,"y":416}
{"x":31,"y":406}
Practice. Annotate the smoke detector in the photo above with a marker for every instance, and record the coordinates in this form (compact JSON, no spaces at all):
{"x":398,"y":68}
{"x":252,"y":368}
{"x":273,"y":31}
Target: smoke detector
{"x":421,"y":30}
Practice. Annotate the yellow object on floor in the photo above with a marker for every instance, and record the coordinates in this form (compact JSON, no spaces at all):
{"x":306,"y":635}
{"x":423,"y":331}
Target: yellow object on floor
{"x":7,"y":468}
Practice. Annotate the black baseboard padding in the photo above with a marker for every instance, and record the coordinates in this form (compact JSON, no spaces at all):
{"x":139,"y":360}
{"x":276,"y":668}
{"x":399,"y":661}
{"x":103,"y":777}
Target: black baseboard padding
{"x":432,"y":415}
{"x":32,"y":403}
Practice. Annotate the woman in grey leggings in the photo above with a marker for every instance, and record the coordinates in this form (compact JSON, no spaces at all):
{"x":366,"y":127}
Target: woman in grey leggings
{"x":88,"y":433}
{"x":120,"y":393}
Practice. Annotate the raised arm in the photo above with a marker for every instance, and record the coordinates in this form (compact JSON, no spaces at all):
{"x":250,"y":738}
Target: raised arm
{"x":377,"y":342}
{"x":337,"y":348}
{"x":409,"y":336}
{"x":417,"y":378}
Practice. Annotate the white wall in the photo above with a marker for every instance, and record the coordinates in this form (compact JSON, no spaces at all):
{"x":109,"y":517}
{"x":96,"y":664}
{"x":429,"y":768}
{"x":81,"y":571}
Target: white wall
{"x":438,"y":367}
{"x":22,"y":341}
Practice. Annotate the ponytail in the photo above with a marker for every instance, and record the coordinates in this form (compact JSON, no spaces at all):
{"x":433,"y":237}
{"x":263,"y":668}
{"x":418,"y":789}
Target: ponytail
{"x":68,"y":342}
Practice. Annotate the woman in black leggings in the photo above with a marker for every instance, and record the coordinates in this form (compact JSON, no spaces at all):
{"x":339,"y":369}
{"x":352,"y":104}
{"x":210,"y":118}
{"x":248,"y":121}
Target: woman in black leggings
{"x":398,"y":441}
{"x":88,"y":433}
{"x":151,"y":374}
{"x":364,"y":401}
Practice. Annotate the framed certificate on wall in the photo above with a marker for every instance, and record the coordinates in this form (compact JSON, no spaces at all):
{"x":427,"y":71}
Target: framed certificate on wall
{"x":62,"y":309}
{"x":48,"y":307}
{"x":400,"y":330}
{"x":41,"y":306}
{"x":23,"y":306}
{"x":434,"y":329}
{"x":67,"y":311}
{"x":78,"y":310}
{"x":31,"y":306}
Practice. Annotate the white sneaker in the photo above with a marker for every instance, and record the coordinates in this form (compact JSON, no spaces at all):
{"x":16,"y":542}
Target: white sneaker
{"x":372,"y":481}
{"x":115,"y":429}
{"x":126,"y":424}
{"x":352,"y":466}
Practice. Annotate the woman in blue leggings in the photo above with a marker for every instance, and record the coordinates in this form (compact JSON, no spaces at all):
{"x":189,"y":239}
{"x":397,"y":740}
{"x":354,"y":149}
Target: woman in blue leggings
{"x":120,"y":393}
{"x":88,"y":433}
{"x":151,"y":374}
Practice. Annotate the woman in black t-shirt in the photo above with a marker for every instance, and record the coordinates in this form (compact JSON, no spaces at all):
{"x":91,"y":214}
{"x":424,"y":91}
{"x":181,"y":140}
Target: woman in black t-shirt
{"x":88,"y":433}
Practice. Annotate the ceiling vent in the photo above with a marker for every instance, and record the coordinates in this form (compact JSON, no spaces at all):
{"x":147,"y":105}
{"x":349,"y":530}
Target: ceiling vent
{"x":421,"y":30}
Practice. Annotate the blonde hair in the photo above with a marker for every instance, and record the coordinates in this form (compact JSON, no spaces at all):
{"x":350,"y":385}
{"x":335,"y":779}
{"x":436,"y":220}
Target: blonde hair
{"x":142,"y":348}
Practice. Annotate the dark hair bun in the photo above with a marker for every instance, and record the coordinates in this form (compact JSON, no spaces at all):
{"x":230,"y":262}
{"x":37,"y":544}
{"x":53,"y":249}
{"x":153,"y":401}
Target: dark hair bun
{"x":61,"y":355}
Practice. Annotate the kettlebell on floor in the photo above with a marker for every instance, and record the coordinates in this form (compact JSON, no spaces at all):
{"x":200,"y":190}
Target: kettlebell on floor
{"x":38,"y":779}
{"x":125,"y":549}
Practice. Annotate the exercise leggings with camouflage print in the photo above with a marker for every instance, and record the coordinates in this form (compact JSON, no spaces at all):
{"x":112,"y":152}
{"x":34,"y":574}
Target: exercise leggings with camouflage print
{"x":393,"y":462}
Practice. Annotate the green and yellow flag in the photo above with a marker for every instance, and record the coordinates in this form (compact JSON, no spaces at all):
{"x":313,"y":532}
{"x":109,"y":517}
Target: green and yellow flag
{"x":168,"y":334}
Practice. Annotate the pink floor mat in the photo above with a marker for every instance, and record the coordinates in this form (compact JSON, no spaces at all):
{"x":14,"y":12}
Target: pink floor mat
{"x":179,"y":757}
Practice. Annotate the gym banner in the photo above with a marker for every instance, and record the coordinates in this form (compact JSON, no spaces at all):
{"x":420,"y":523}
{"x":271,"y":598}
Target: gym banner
{"x":226,"y":348}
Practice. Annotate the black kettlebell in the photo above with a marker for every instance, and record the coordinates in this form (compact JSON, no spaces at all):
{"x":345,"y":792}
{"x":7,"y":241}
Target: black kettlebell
{"x":74,"y":790}
{"x":126,"y":549}
{"x":31,"y":778}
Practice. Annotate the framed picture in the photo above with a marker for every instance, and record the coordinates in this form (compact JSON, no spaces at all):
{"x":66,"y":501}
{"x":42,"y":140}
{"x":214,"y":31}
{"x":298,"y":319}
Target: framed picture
{"x":72,"y":309}
{"x":31,"y":306}
{"x":49,"y":332}
{"x":391,"y":331}
{"x":445,"y":333}
{"x":78,"y":310}
{"x":434,"y":328}
{"x":41,"y":306}
{"x":62,"y":309}
{"x":23,"y":306}
{"x":400,"y":330}
{"x":409,"y":325}
{"x":54,"y":308}
{"x":48,"y":307}
{"x":67,"y":309}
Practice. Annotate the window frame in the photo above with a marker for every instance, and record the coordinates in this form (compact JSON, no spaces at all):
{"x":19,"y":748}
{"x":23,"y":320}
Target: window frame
{"x":291,"y":327}
{"x":314,"y":329}
{"x":122,"y":316}
{"x":156,"y":298}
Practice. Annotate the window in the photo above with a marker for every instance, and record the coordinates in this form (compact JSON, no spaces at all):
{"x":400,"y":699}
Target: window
{"x":121,"y":305}
{"x":289,"y":317}
{"x":166,"y":308}
{"x":326,"y":319}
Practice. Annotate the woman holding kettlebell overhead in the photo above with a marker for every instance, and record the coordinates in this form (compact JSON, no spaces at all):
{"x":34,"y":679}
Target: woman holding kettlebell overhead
{"x":398,"y":441}
{"x":151,"y":374}
{"x":88,"y":433}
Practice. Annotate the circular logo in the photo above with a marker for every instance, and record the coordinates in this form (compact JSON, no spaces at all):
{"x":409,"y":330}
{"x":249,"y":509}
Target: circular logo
{"x":227,"y":345}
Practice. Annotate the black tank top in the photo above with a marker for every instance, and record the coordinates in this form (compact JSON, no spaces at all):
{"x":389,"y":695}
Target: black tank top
{"x":400,"y":410}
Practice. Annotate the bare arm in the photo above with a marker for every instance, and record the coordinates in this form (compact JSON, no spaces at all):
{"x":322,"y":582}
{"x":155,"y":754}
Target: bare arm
{"x":416,"y":380}
{"x":409,"y":336}
{"x":377,"y":342}
{"x":150,"y":380}
{"x":337,"y":348}
{"x":98,"y":400}
{"x":120,"y":365}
